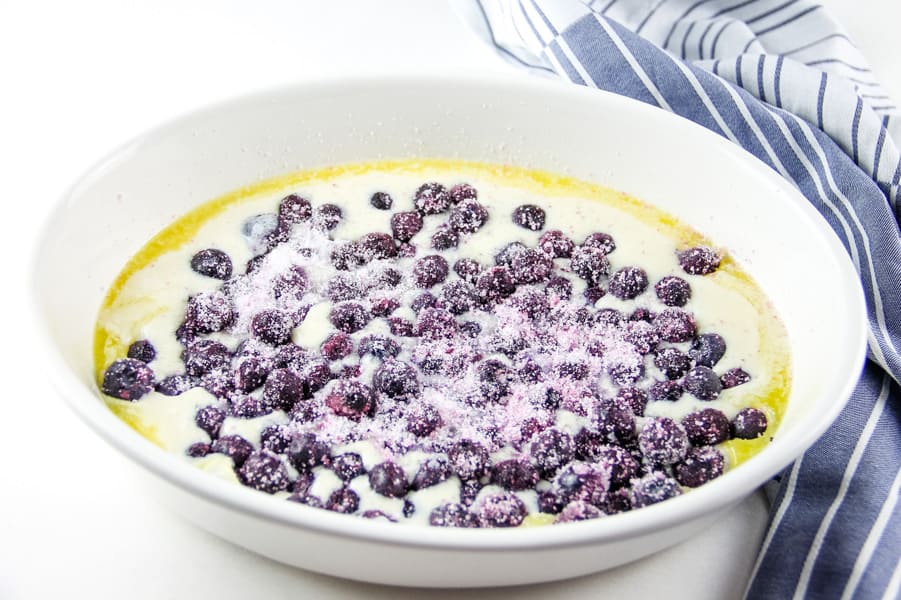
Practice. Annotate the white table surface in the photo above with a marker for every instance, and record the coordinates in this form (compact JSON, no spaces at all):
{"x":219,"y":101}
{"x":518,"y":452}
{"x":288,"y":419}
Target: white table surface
{"x":79,"y":78}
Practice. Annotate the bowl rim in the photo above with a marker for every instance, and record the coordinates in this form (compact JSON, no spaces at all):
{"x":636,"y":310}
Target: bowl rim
{"x":716,"y":495}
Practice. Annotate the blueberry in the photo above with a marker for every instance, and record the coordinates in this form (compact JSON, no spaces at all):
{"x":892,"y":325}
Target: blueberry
{"x":673,"y":291}
{"x":173,"y":385}
{"x":314,"y":376}
{"x":344,"y":501}
{"x":378,"y":345}
{"x":348,"y":466}
{"x":706,"y":427}
{"x":384,"y":307}
{"x":376,"y":246}
{"x":275,"y":438}
{"x":350,"y":398}
{"x":590,"y":264}
{"x":702,"y":383}
{"x":643,"y":335}
{"x":388,"y":479}
{"x":699,"y":261}
{"x":337,"y":346}
{"x":494,"y":379}
{"x":470,"y":329}
{"x":459,"y":296}
{"x":233,"y":446}
{"x":381,"y":200}
{"x":669,"y":391}
{"x":549,"y":502}
{"x":257,"y":229}
{"x":748,"y":424}
{"x":272,"y":326}
{"x":556,"y":244}
{"x":250,"y":373}
{"x":282,"y":389}
{"x":264,"y":471}
{"x":401,"y":327}
{"x":436,"y":324}
{"x":468,"y":269}
{"x":444,"y":238}
{"x":294,"y":209}
{"x":142,"y":350}
{"x":531,"y":266}
{"x":531,"y":303}
{"x":208,"y":312}
{"x":347,"y":256}
{"x":451,"y":514}
{"x":672,"y":362}
{"x":587,"y":444}
{"x":495,"y":284}
{"x":621,"y":463}
{"x":530,"y":372}
{"x":636,"y":397}
{"x":204,"y":356}
{"x":254,"y":264}
{"x":127,"y":379}
{"x":653,"y":488}
{"x":461,"y":192}
{"x":430,"y":270}
{"x":514,"y":474}
{"x":578,"y":511}
{"x":307,"y":452}
{"x":551,"y":449}
{"x":290,"y":355}
{"x":609,"y":316}
{"x":431,"y":472}
{"x":210,"y":419}
{"x":424,"y":300}
{"x":615,"y":419}
{"x":469,"y":459}
{"x":348,"y":317}
{"x":504,"y":257}
{"x":663,"y":441}
{"x":218,"y":383}
{"x":601,"y":241}
{"x":576,"y":371}
{"x":404,"y":225}
{"x":734,"y":377}
{"x":431,"y":198}
{"x":643,"y":314}
{"x":424,"y":420}
{"x":327,"y":216}
{"x":243,"y":406}
{"x":500,"y":510}
{"x":291,"y":283}
{"x":396,"y":379}
{"x":529,"y":216}
{"x":588,"y":482}
{"x":628,"y":283}
{"x":468,"y":217}
{"x":198,"y":450}
{"x":707,"y":349}
{"x":469,"y":491}
{"x":625,"y":369}
{"x":212,"y":263}
{"x":559,"y":287}
{"x":700,"y":466}
{"x":675,"y":325}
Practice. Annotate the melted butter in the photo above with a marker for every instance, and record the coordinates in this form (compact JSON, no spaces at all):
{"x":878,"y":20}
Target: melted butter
{"x":112,"y":339}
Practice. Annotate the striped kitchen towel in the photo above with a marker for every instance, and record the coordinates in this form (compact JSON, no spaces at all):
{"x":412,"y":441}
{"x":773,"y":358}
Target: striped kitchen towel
{"x":780,"y":79}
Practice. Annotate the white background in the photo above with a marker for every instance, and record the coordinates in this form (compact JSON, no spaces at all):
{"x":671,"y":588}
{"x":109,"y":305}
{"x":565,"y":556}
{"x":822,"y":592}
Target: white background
{"x":79,"y":78}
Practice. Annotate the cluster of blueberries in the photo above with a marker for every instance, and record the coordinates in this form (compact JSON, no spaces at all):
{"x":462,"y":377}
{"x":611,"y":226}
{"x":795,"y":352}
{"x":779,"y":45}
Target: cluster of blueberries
{"x":615,"y":466}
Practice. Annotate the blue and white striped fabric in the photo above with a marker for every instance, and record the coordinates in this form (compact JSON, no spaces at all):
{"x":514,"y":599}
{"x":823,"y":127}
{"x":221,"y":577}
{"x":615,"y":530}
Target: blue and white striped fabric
{"x":781,"y":79}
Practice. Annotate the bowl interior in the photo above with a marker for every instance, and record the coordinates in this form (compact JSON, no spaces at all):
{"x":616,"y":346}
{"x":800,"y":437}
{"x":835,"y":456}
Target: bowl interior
{"x":661,"y":159}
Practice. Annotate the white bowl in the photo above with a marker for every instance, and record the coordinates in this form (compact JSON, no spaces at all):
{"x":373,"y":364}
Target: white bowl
{"x":662,"y":159}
